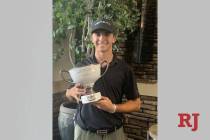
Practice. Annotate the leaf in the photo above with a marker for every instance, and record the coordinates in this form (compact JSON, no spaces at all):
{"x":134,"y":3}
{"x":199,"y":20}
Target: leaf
{"x":58,"y":15}
{"x":71,"y":27}
{"x":108,"y":5}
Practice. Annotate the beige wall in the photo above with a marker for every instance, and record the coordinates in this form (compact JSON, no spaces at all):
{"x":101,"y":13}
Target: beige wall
{"x":62,"y":64}
{"x":147,"y":89}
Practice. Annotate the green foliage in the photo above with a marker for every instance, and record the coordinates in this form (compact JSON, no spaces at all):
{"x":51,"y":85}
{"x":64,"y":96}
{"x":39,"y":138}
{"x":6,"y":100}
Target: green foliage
{"x":72,"y":20}
{"x":67,"y":15}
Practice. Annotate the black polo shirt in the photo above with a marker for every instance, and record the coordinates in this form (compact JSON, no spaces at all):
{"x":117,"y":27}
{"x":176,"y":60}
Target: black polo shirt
{"x":118,"y":81}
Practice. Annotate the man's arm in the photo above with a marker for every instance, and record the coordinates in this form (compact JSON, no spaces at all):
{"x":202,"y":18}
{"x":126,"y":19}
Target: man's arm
{"x":73,"y":93}
{"x":129,"y":106}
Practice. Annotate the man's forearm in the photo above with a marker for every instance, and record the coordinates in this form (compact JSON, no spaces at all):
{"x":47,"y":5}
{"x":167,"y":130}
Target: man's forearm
{"x":71,"y":99}
{"x":129,"y":106}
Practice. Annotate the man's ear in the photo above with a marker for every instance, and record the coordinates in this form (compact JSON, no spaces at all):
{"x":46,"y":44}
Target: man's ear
{"x":114,"y":40}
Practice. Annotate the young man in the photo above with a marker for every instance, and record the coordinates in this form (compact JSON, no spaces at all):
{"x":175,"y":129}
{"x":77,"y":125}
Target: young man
{"x":102,"y":120}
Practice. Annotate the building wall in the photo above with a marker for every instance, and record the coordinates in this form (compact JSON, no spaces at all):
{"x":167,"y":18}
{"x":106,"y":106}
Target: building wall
{"x":141,"y":48}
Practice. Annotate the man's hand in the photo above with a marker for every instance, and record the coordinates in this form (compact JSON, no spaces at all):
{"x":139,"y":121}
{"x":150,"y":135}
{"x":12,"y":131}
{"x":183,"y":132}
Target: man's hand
{"x":105,"y":104}
{"x":75,"y":92}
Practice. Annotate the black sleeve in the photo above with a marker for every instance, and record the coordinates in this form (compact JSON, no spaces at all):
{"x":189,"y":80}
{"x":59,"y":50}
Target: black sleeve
{"x":130,"y":86}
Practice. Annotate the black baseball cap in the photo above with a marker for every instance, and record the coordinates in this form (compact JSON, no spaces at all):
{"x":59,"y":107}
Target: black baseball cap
{"x":103,"y":24}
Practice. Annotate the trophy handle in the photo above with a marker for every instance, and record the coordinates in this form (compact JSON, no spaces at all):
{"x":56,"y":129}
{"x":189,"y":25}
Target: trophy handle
{"x":62,"y":76}
{"x":107,"y":66}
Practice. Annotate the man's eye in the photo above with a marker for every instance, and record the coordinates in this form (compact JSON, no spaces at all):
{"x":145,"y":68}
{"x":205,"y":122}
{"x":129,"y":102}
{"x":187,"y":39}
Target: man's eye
{"x":98,"y":34}
{"x":102,"y":33}
{"x":106,"y":33}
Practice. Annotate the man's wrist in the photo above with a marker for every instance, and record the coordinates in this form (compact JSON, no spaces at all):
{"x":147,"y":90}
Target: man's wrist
{"x":114,"y":108}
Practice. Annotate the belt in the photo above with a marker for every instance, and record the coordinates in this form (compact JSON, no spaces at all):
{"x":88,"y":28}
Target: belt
{"x":103,"y":131}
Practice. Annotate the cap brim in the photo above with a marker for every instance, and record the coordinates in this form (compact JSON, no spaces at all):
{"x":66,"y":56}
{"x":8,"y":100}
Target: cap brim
{"x":102,"y":27}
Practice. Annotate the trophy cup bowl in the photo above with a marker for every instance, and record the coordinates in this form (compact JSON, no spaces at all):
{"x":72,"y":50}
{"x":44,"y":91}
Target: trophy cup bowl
{"x":87,"y":76}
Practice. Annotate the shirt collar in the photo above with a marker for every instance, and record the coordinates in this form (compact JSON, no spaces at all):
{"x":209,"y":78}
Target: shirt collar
{"x":114,"y":60}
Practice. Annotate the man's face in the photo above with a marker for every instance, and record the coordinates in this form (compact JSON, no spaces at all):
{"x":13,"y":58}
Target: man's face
{"x":103,"y":40}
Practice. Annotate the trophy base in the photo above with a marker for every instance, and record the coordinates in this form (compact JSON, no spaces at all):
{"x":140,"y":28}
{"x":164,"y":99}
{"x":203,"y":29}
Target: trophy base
{"x":91,"y":98}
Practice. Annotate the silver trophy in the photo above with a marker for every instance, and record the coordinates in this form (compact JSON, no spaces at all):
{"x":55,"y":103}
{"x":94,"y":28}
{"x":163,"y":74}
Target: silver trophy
{"x":87,"y":76}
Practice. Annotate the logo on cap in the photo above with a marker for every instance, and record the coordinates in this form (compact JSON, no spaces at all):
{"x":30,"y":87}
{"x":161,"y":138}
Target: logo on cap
{"x":104,"y":22}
